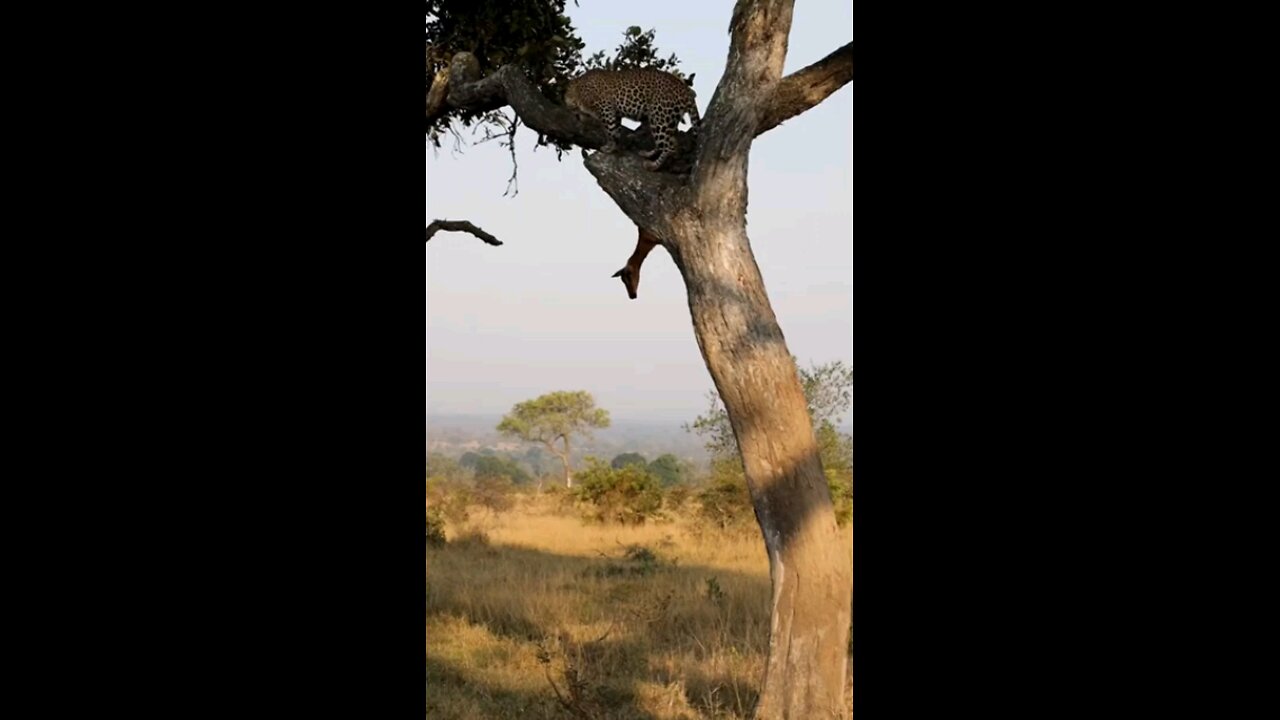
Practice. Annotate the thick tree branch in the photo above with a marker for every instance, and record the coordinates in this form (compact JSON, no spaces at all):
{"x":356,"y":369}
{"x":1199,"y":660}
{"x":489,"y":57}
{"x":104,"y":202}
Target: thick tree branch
{"x":508,"y":86}
{"x":460,"y":226}
{"x":649,"y":199}
{"x":803,"y":89}
{"x":464,"y":88}
{"x":757,"y":51}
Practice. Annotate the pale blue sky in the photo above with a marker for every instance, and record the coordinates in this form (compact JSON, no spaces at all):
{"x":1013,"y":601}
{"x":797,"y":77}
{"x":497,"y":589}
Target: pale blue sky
{"x":542,"y":313}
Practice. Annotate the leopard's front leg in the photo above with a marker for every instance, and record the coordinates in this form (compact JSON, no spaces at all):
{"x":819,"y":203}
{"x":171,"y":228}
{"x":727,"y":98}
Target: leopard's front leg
{"x":614,"y":123}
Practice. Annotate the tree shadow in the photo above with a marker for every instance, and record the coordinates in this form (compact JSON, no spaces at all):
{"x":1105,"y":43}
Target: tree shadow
{"x":609,"y":669}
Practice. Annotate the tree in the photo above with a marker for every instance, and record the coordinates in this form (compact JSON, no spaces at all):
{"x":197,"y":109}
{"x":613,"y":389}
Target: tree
{"x":827,"y":390}
{"x":628,"y":495}
{"x":668,"y":469}
{"x":555,"y":416}
{"x":625,"y":459}
{"x":696,"y":207}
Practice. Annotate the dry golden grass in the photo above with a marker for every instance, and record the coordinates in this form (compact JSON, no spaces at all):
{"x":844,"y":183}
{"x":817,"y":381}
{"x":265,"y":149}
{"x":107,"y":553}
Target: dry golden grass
{"x":549,"y":597}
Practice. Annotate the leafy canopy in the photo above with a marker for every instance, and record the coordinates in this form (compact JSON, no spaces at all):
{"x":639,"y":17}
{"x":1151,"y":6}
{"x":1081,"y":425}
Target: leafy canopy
{"x":553,"y":416}
{"x":535,"y":34}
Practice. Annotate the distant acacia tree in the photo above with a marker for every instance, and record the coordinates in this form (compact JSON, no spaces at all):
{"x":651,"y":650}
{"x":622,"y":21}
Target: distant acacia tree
{"x":555,"y":417}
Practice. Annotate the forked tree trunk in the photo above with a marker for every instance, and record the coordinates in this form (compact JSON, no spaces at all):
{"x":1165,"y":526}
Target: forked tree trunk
{"x":811,"y":568}
{"x":564,"y":461}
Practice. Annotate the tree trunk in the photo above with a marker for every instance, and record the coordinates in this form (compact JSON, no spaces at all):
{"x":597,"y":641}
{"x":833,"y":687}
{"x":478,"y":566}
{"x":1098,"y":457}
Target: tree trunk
{"x":811,"y":569}
{"x":568,"y":472}
{"x":564,"y":459}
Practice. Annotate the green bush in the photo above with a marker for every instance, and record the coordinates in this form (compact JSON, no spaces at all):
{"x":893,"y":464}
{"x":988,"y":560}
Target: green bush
{"x":841,"y":485}
{"x":627,"y":495}
{"x":725,"y":501}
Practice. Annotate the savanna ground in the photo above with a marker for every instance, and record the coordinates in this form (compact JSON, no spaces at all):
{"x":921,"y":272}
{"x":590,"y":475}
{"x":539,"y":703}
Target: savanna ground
{"x":533,"y":614}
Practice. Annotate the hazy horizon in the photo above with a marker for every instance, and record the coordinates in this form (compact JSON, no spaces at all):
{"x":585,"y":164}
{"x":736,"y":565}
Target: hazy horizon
{"x":542,"y":312}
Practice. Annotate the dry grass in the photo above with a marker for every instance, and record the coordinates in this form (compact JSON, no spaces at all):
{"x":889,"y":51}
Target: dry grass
{"x":545,"y":599}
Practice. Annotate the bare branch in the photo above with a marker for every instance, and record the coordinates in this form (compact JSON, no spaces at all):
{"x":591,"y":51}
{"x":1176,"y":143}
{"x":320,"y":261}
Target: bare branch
{"x":803,"y":89}
{"x":460,"y":226}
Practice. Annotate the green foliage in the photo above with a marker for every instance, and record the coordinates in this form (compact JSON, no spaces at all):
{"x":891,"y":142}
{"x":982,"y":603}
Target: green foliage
{"x":533,"y":33}
{"x":827,"y":391}
{"x":628,"y":496}
{"x":668,"y":469}
{"x":536,"y":461}
{"x":835,"y":448}
{"x":493,"y":466}
{"x":435,"y":527}
{"x":841,"y":486}
{"x":626,"y":459}
{"x":443,"y":467}
{"x":636,"y":51}
{"x":553,"y":416}
{"x":725,"y":501}
{"x":538,"y":36}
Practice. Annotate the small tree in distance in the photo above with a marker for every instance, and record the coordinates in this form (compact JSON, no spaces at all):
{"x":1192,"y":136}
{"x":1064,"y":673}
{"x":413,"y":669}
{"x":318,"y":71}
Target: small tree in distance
{"x":555,"y":417}
{"x":626,"y":459}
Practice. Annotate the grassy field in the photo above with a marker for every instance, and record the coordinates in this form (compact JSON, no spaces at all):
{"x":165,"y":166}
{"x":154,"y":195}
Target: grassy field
{"x":658,"y":622}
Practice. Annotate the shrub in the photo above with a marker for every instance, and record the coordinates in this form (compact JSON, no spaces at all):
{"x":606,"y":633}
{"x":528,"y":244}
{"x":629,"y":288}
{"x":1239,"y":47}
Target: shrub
{"x":841,"y":485}
{"x":435,"y":528}
{"x":725,"y":502}
{"x":628,"y":495}
{"x":640,"y":561}
{"x":677,"y":497}
{"x":493,"y":493}
{"x":455,"y":505}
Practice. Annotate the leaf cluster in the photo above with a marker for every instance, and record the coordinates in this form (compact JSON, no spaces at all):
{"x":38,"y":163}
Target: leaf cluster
{"x":627,"y":495}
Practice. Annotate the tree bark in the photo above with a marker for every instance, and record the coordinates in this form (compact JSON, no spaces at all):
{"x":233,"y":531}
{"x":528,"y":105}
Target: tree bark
{"x":568,"y":471}
{"x":564,"y":458}
{"x":810,"y":567}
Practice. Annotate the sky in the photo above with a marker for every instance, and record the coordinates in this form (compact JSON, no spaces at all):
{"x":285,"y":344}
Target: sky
{"x":542,"y":312}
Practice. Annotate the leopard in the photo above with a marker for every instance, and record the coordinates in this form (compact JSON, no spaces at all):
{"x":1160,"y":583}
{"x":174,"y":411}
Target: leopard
{"x":641,"y":94}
